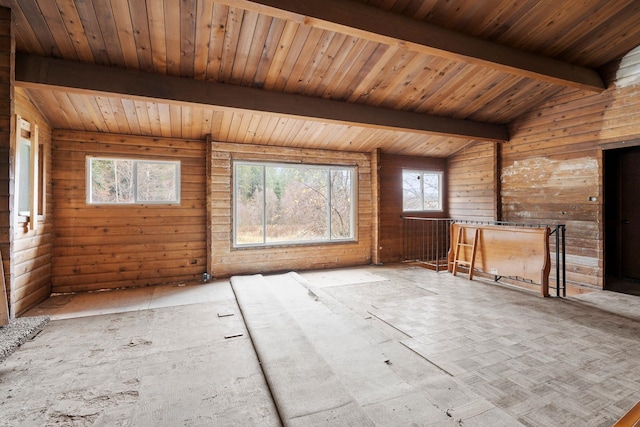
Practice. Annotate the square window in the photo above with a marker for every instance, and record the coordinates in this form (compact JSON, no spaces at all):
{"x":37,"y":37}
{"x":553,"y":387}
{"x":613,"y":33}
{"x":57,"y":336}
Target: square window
{"x":421,"y":190}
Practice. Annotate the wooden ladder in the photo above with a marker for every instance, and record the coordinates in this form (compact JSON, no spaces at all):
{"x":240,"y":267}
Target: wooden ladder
{"x":462,"y":244}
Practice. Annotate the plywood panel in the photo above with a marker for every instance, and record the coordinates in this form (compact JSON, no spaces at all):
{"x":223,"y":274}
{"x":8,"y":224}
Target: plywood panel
{"x":515,"y":252}
{"x":101,"y":247}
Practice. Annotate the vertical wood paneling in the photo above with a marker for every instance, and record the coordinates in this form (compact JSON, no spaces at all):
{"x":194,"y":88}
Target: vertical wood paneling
{"x":390,"y":170}
{"x":228,"y":261}
{"x":553,"y":164}
{"x":172,"y":29}
{"x":141,"y":34}
{"x":473,"y":183}
{"x":32,"y":249}
{"x":124,"y":29}
{"x":102,"y":247}
{"x":93,"y":34}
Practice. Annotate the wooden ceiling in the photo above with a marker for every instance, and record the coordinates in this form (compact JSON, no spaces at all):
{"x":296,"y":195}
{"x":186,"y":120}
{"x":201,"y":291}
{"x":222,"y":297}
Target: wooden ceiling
{"x":414,"y":77}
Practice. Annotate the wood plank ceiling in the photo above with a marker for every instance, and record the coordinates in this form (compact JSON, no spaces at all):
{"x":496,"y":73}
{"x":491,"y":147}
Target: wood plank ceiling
{"x":287,"y":47}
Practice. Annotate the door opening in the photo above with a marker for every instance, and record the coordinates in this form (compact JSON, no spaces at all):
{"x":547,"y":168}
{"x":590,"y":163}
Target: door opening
{"x":622,"y":220}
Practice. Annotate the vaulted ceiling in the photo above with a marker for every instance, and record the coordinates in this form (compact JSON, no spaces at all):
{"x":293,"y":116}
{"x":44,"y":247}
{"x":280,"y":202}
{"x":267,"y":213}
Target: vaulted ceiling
{"x":415,"y":77}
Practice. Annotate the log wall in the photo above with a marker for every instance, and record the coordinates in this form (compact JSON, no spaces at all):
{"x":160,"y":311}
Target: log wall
{"x":474,"y":183}
{"x":107,"y":246}
{"x":390,"y":171}
{"x":7,"y":130}
{"x":32,"y":249}
{"x":227,"y":261}
{"x":553,"y":164}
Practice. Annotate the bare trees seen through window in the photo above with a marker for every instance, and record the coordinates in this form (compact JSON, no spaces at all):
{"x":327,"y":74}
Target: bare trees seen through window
{"x":115,"y":181}
{"x":421,"y":190}
{"x":277,"y":203}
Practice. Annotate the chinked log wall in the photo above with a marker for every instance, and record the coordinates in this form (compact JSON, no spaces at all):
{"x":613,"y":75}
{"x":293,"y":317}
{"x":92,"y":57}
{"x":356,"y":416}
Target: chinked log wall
{"x":226,"y":261}
{"x":106,"y":246}
{"x":553,"y":164}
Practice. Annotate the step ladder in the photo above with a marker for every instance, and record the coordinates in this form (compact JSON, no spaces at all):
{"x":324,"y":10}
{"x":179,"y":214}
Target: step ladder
{"x":462,"y":244}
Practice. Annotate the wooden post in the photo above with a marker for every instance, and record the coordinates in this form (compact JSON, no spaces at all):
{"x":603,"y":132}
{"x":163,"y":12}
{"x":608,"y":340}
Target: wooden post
{"x":209,"y":222}
{"x":7,"y":154}
{"x":375,"y":207}
{"x":4,"y":305}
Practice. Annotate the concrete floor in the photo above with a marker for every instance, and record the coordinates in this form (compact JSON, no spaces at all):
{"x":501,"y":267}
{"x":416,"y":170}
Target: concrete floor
{"x":389,"y":346}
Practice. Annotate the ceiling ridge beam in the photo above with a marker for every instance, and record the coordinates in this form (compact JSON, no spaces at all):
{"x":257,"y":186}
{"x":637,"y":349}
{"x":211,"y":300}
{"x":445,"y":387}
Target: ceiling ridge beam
{"x":381,"y":26}
{"x":92,"y":79}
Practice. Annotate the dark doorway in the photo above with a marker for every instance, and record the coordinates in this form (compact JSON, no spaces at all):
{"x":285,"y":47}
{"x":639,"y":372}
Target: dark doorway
{"x":622,"y":220}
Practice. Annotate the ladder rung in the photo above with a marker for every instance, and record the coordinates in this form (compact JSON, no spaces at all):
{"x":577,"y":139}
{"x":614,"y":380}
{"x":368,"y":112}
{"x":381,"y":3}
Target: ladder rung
{"x":461,"y":243}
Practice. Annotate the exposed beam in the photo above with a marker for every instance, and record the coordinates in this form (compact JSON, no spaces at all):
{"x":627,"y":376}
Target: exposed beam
{"x":38,"y":72}
{"x":370,"y":23}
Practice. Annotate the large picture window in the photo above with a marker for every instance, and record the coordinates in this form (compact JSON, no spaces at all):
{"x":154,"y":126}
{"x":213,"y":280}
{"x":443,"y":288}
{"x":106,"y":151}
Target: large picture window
{"x":281,"y":203}
{"x":127,"y":181}
{"x":421,"y":190}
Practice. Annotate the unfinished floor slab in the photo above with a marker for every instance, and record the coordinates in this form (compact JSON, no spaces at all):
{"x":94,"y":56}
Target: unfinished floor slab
{"x":458,"y":352}
{"x":148,"y":365}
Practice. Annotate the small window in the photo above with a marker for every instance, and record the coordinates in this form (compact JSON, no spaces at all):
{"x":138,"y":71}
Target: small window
{"x":278,"y":204}
{"x":421,"y":190}
{"x":128,"y":181}
{"x":24,"y":176}
{"x":30,"y":174}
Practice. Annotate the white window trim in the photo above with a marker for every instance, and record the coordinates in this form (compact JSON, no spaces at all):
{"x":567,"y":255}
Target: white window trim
{"x":265,"y":244}
{"x":135,"y":201}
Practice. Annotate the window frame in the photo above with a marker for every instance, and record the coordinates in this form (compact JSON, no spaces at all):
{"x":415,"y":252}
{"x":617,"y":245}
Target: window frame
{"x":423,"y":172}
{"x":30,"y":175}
{"x":353,"y":169}
{"x":135,"y":162}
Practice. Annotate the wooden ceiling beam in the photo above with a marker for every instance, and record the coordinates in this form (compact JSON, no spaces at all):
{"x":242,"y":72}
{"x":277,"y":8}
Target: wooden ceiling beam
{"x":369,"y":23}
{"x":75,"y":77}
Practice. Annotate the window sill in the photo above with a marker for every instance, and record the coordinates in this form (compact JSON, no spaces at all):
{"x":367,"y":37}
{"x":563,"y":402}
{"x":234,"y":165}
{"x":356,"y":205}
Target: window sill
{"x":24,"y":219}
{"x":292,"y":244}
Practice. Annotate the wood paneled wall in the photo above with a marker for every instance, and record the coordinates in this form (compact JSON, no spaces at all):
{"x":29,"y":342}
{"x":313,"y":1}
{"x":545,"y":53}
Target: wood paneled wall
{"x":7,"y":111}
{"x":32,"y":249}
{"x":553,"y":164}
{"x":227,"y":261}
{"x":390,"y":171}
{"x":102,"y":247}
{"x":474,"y":183}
